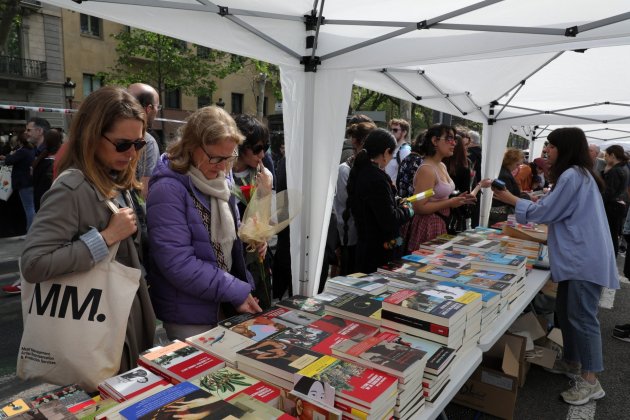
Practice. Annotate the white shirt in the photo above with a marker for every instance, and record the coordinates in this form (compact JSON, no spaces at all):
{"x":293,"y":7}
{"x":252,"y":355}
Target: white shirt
{"x":399,"y":154}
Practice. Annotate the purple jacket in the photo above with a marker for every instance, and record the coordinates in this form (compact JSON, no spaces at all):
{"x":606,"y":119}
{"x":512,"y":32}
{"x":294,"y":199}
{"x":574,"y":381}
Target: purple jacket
{"x":186,"y":285}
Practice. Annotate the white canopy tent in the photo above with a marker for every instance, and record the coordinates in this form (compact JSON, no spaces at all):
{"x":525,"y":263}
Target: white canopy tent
{"x":462,"y":57}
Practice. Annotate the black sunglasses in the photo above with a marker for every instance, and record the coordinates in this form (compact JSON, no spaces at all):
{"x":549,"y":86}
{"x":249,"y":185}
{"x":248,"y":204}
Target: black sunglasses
{"x":125,"y":144}
{"x":258,"y":148}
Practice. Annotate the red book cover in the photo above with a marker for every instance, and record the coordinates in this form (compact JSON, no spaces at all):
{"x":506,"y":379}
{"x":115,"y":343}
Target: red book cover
{"x":182,"y":360}
{"x":348,"y":328}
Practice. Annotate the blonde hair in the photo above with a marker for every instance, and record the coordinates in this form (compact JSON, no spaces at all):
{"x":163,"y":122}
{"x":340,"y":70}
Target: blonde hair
{"x":206,"y":126}
{"x":97,"y":114}
{"x":512,"y":156}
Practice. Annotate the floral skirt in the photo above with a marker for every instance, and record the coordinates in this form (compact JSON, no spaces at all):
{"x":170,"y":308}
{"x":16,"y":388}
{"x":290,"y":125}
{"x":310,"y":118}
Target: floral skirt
{"x":424,"y":227}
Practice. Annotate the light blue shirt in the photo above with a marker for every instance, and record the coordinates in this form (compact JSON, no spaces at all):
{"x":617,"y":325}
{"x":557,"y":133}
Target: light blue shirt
{"x":580,"y":247}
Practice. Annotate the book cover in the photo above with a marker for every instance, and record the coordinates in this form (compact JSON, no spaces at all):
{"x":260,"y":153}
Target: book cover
{"x":497,"y":286}
{"x":73,"y":397}
{"x":490,"y":275}
{"x":257,"y":410}
{"x":306,"y":337}
{"x":346,"y":327}
{"x":488,"y":297}
{"x":225,"y":383}
{"x":366,"y":308}
{"x":435,"y":307}
{"x":358,"y":283}
{"x":180,"y":361}
{"x":310,"y":305}
{"x":183,"y":400}
{"x":280,"y":359}
{"x":296,"y":318}
{"x":353,"y":382}
{"x":439,"y":357}
{"x":382,"y":352}
{"x":53,"y":409}
{"x":131,"y":383}
{"x":258,"y":326}
{"x":220,"y":342}
{"x":14,"y":407}
{"x":307,"y":408}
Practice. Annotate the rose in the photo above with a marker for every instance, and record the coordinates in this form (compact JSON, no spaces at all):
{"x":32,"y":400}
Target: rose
{"x":247,"y":191}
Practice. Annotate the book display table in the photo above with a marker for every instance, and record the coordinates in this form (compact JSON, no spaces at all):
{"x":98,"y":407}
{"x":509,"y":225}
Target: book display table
{"x":466,"y":363}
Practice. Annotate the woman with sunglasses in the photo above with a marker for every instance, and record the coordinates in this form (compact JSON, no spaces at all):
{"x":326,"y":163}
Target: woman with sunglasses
{"x":196,"y":257}
{"x":432,"y":214}
{"x":74,"y":226}
{"x":250,"y":172}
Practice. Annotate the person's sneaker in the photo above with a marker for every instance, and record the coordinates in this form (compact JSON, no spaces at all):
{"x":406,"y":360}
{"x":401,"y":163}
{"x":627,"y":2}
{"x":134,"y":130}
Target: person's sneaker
{"x":622,"y":327}
{"x":12,"y":289}
{"x":582,"y":392}
{"x":623,"y":335}
{"x":562,"y":367}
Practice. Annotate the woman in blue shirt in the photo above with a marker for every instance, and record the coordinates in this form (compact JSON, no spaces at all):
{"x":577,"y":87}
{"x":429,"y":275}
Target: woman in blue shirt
{"x":580,"y":254}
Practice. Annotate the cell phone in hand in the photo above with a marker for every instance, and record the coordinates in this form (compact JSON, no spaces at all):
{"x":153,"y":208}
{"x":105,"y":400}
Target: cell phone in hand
{"x":497,"y":184}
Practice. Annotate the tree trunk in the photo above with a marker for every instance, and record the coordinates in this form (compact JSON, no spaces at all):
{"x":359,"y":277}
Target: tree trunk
{"x":261,"y":81}
{"x":405,"y":114}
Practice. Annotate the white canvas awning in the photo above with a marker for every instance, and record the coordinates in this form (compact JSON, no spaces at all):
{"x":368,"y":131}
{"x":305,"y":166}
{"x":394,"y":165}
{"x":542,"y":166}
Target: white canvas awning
{"x":508,"y":64}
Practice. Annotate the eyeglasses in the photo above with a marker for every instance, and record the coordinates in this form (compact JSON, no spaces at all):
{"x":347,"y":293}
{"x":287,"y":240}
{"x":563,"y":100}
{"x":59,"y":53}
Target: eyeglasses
{"x":215,"y":160}
{"x":123,"y":145}
{"x":395,"y":130}
{"x":449,"y":138}
{"x":258,"y":148}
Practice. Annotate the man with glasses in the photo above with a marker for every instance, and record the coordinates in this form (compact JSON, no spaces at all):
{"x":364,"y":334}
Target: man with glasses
{"x":150,"y":101}
{"x":399,"y":128}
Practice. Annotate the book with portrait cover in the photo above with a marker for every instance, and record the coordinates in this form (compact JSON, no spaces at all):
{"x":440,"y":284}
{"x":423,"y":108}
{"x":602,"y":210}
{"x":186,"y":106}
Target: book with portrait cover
{"x":258,"y":326}
{"x":382,"y":352}
{"x":221,"y":342}
{"x":179,"y":361}
{"x":277,"y":358}
{"x":129,"y":384}
{"x":180,"y":401}
{"x":308,"y":408}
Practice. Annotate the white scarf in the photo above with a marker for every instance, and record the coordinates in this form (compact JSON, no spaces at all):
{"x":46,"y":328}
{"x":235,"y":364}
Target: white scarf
{"x":222,"y":230}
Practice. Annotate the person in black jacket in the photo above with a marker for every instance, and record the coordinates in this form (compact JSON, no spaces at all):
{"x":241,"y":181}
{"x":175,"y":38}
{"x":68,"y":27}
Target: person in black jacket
{"x":499,"y":211}
{"x":616,"y":180}
{"x":21,"y":179}
{"x":43,"y":165}
{"x":377,"y":212}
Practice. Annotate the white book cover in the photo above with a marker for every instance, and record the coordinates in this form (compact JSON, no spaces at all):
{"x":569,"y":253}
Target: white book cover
{"x":221,"y":342}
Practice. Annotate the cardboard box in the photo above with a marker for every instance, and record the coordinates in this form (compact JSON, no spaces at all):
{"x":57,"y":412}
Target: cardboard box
{"x":493,"y":387}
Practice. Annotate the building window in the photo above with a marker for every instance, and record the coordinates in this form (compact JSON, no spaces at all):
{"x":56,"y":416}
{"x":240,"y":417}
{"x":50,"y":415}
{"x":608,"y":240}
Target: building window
{"x":237,"y":103}
{"x":203,"y":52}
{"x":91,"y":83}
{"x":172,"y":98}
{"x":204,"y":101}
{"x":91,"y":25}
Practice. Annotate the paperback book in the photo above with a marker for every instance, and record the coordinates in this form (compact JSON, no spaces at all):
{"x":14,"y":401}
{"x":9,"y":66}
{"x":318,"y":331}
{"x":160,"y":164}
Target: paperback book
{"x":364,"y":308}
{"x":310,"y":305}
{"x":73,"y":397}
{"x":358,"y":283}
{"x":221,"y":342}
{"x":439,"y":357}
{"x":258,"y":326}
{"x":434,"y":307}
{"x":129,"y":384}
{"x":308,"y":408}
{"x":179,"y":361}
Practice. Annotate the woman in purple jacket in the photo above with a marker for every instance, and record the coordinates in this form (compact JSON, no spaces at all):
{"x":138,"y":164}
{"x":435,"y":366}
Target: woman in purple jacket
{"x":196,"y":258}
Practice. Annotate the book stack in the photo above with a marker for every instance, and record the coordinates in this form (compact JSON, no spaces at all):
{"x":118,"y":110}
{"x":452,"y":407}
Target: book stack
{"x":308,"y":305}
{"x":438,"y":367}
{"x":382,"y":352}
{"x":222,"y":343}
{"x":228,"y":383}
{"x":275,"y":362}
{"x":489,"y":302}
{"x":130,"y":384}
{"x":433,"y":312}
{"x":357,"y":283}
{"x":362,"y":308}
{"x":179,"y":361}
{"x":360,"y":392}
{"x":475,"y":243}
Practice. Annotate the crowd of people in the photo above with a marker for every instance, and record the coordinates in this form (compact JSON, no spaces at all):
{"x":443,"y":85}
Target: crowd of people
{"x":179,"y":213}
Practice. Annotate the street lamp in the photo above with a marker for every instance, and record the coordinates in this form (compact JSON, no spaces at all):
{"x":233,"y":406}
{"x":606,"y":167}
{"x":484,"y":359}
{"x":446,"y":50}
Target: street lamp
{"x":68,"y":89}
{"x":220,"y":103}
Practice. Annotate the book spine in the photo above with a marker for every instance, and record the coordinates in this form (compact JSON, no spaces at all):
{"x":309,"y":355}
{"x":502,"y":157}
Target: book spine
{"x":415,"y":323}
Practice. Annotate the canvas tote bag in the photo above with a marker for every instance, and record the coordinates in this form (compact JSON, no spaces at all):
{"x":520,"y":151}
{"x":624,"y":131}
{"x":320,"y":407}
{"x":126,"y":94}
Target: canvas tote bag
{"x":75,"y":324}
{"x":6,"y":187}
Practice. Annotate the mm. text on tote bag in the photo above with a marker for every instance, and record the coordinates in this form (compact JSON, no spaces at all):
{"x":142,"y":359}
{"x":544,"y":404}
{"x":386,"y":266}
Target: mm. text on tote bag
{"x":75,"y":324}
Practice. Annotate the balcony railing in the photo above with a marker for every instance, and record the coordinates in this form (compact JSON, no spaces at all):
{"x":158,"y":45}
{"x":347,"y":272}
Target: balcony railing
{"x":16,"y":67}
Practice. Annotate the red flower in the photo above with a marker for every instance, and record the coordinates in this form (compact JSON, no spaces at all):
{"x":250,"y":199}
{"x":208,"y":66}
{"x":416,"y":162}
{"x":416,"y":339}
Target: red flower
{"x":247,"y":191}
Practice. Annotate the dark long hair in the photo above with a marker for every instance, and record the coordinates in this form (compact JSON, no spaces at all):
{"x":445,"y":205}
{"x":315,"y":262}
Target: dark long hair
{"x":427,"y":148}
{"x":376,"y":143}
{"x":572,"y":151}
{"x":459,"y":158}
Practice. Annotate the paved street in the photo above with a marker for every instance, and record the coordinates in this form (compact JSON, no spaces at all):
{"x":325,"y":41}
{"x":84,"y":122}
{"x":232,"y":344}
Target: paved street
{"x":538,"y":399}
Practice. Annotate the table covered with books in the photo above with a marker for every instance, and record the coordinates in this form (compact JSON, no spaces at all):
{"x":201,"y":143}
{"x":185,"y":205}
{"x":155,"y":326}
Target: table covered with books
{"x":399,"y":343}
